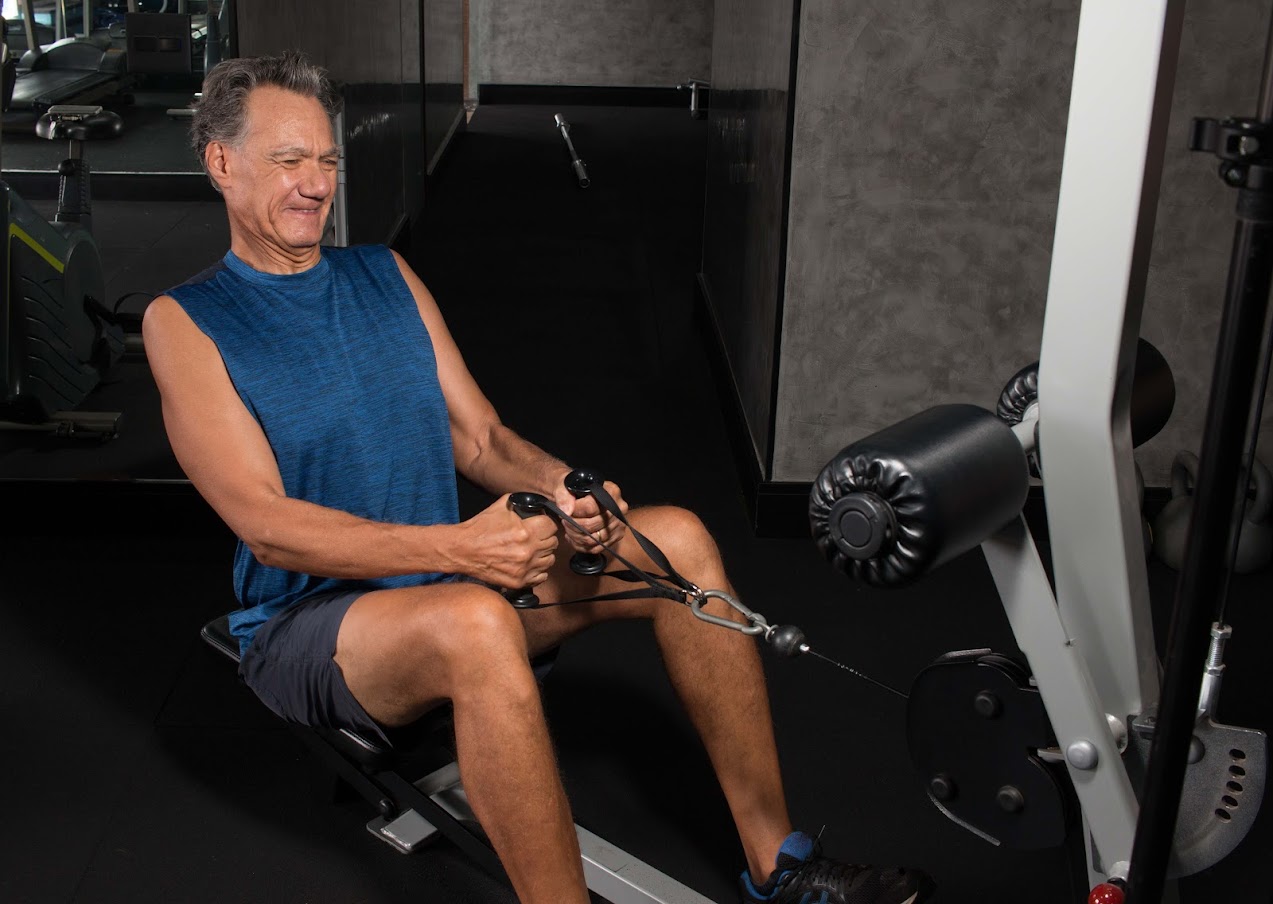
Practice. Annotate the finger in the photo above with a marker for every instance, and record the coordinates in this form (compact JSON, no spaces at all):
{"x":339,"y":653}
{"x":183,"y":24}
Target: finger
{"x":586,"y":525}
{"x":586,"y":507}
{"x":541,"y":528}
{"x":617,"y":495}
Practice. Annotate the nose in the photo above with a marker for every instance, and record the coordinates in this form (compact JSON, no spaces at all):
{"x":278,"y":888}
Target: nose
{"x":316,"y":181}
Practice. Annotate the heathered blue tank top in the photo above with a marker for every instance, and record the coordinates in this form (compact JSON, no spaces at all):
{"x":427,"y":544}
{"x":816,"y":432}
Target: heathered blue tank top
{"x":337,"y":367}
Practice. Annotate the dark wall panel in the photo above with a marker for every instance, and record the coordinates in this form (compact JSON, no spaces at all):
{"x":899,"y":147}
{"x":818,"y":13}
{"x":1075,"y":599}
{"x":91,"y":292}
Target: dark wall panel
{"x":443,"y":73}
{"x":746,"y":187}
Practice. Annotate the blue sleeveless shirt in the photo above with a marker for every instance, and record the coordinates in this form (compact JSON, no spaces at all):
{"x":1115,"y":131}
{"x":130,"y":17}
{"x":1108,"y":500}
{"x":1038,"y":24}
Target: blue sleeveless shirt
{"x":337,"y":367}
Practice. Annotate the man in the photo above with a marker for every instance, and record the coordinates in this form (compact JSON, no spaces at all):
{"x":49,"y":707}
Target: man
{"x":317,"y":401}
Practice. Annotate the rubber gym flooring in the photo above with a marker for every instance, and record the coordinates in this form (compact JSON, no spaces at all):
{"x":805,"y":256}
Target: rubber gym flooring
{"x":132,"y":766}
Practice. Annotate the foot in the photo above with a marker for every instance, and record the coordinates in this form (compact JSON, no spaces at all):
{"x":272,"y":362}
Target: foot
{"x":804,"y":876}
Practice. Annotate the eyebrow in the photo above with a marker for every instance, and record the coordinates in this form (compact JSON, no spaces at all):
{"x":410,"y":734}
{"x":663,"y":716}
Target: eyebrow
{"x":298,"y":151}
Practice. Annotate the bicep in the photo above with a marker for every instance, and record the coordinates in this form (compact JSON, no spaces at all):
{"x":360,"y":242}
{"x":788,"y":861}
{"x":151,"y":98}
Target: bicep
{"x":217,"y":442}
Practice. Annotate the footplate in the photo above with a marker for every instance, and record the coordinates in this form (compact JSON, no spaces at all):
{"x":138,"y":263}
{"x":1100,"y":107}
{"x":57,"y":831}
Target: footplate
{"x":406,"y":832}
{"x":1223,"y":788}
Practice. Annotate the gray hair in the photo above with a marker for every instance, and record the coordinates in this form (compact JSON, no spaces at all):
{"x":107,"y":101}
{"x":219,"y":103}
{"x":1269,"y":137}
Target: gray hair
{"x":222,"y":112}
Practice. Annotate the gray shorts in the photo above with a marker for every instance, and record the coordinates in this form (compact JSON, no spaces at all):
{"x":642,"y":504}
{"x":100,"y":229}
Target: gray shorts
{"x":289,"y":665}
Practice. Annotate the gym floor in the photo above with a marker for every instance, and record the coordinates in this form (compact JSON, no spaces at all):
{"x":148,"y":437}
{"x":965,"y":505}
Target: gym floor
{"x":136,"y":769}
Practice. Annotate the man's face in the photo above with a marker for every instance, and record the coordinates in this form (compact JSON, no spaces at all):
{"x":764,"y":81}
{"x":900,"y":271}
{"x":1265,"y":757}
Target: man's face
{"x":281,"y":180}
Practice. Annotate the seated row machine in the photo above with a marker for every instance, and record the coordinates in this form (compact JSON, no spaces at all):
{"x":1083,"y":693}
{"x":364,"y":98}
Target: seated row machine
{"x":1004,"y":745}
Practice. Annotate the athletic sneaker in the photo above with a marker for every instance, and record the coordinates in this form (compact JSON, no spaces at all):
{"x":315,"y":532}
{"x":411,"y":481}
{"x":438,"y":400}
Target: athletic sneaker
{"x":804,"y":876}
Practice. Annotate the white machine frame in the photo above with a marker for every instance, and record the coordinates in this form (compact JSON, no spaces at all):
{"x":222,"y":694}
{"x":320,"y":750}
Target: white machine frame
{"x":1090,"y":645}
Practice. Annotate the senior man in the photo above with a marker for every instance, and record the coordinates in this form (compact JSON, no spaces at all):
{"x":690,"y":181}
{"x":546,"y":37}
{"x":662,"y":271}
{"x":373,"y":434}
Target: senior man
{"x":317,"y":401}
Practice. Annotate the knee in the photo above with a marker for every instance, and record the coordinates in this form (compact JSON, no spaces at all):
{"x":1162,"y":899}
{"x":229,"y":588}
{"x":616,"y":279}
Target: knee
{"x":683,"y":538}
{"x":476,"y":629}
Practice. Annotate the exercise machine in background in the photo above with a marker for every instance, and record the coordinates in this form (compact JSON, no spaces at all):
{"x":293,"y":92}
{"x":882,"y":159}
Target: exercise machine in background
{"x":71,"y":70}
{"x":58,"y":338}
{"x":1002,"y":745}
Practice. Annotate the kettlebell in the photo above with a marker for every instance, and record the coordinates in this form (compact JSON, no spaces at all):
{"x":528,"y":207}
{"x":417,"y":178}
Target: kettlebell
{"x":1255,"y":539}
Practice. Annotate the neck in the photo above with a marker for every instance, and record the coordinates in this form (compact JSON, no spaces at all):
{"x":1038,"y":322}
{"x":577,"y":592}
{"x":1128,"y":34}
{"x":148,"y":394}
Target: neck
{"x":267,"y":257}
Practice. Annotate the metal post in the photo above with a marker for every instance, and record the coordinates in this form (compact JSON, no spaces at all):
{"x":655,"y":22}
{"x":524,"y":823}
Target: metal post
{"x":87,"y":22}
{"x":28,"y":25}
{"x":340,"y":204}
{"x":1233,"y":388}
{"x":1123,"y":72}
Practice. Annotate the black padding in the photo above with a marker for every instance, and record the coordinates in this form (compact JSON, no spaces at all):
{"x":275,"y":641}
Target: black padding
{"x":73,"y":53}
{"x":216,"y":634}
{"x":103,"y":124}
{"x":1153,"y":394}
{"x":935,"y":484}
{"x":1018,"y":394}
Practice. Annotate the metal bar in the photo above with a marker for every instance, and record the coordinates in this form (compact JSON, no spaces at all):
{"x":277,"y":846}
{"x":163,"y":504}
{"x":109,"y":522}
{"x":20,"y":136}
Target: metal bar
{"x":581,"y":172}
{"x":1232,"y":387}
{"x":28,"y":25}
{"x":620,"y":878}
{"x":1067,"y":687}
{"x":340,"y":204}
{"x":1264,"y":113}
{"x":1123,"y":72}
{"x":87,"y":22}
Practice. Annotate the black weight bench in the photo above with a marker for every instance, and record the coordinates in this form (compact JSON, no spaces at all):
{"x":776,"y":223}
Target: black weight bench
{"x":414,"y":812}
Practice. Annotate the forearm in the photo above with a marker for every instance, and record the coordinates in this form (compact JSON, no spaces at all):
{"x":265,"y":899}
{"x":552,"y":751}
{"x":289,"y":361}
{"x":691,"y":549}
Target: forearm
{"x":300,"y":536}
{"x":506,"y":463}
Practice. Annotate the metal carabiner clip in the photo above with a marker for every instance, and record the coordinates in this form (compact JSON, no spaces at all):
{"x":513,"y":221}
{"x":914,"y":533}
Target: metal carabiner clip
{"x":756,"y":622}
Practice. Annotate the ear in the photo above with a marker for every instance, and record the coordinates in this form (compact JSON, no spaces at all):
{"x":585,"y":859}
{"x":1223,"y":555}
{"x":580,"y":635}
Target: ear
{"x":216,"y":156}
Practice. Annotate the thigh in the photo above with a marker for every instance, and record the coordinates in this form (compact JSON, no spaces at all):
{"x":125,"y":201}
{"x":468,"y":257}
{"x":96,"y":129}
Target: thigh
{"x":289,"y":665}
{"x":403,"y":652}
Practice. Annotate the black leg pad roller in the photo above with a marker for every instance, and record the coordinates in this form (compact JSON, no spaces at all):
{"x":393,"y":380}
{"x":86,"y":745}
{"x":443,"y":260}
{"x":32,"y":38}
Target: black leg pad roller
{"x":1153,"y":394}
{"x":895,"y":505}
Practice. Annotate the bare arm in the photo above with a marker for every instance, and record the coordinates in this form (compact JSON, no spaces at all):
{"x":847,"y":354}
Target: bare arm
{"x":489,"y":453}
{"x":486,"y":451}
{"x":227,"y":457}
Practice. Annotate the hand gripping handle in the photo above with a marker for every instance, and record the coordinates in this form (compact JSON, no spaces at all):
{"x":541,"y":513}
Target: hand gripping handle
{"x":580,"y":483}
{"x":526,"y":505}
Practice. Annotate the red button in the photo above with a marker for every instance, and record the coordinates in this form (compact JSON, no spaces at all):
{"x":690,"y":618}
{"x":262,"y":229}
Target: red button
{"x":1106,"y":894}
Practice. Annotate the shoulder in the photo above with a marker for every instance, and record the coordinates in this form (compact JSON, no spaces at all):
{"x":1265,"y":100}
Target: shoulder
{"x":200,"y":279}
{"x":165,"y":319}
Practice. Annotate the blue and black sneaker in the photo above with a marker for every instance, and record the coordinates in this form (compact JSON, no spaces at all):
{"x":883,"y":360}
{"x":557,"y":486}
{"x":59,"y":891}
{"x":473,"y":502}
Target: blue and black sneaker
{"x":804,"y":876}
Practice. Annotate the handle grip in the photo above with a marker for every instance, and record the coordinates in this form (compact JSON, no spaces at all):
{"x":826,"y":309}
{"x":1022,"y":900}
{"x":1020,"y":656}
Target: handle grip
{"x":526,"y":505}
{"x":580,"y":482}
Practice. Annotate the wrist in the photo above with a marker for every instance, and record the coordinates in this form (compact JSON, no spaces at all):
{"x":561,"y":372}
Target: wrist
{"x":447,"y":543}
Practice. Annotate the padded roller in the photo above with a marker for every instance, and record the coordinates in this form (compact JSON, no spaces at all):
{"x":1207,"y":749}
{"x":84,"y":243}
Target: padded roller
{"x":895,"y":505}
{"x":1153,"y":394}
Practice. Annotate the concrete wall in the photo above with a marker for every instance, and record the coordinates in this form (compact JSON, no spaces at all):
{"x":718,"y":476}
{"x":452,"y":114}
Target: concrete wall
{"x":926,"y":162}
{"x":746,"y":192}
{"x":586,"y":42}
